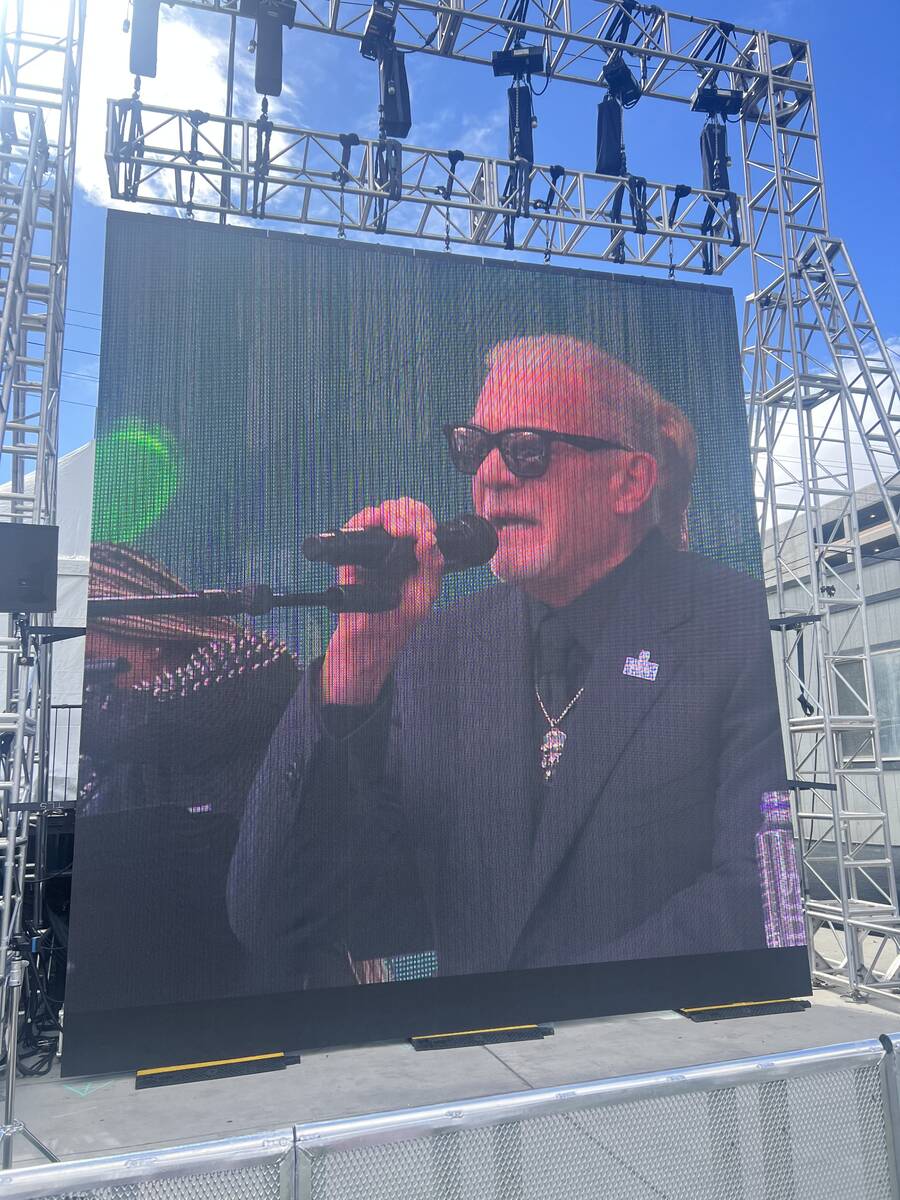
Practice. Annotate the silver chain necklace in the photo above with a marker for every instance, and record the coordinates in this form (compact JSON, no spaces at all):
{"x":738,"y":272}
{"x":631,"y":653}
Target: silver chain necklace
{"x":554,"y":739}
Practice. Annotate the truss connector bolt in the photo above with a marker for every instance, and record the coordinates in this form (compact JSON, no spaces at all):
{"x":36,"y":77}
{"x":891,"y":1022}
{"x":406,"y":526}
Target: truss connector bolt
{"x":15,"y":974}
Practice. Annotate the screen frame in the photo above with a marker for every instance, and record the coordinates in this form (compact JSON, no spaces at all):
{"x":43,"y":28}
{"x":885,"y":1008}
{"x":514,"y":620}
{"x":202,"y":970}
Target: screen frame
{"x":119,"y":1040}
{"x":127,"y":1038}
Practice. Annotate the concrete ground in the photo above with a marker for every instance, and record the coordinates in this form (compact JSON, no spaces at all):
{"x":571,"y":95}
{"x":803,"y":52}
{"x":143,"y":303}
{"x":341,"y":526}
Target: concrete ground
{"x":85,"y":1118}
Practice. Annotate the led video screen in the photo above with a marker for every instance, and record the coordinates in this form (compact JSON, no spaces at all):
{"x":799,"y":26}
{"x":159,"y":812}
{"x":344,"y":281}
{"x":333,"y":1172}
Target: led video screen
{"x":429,"y":681}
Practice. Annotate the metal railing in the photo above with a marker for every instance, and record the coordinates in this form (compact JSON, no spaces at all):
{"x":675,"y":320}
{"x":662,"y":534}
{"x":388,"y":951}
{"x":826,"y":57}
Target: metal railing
{"x":820,"y":1123}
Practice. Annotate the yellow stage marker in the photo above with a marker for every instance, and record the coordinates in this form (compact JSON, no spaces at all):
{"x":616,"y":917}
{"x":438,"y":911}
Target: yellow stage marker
{"x":216,"y":1068}
{"x":471,"y":1032}
{"x":742,"y":1004}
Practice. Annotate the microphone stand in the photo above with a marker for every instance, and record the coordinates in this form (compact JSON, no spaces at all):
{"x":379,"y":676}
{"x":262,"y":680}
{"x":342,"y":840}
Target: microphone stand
{"x":254,"y":600}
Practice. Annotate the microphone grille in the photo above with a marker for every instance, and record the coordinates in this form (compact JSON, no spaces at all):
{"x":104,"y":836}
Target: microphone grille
{"x":467,"y":541}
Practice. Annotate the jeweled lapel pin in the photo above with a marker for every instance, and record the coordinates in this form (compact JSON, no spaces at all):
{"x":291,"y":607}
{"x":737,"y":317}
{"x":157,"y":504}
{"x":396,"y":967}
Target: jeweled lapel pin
{"x":641,"y":667}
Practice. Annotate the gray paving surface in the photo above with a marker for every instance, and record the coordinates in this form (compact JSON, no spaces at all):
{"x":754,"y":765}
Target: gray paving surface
{"x":105,"y":1116}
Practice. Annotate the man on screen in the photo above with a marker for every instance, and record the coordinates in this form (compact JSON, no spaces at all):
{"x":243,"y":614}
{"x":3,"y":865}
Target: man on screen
{"x":563,"y":768}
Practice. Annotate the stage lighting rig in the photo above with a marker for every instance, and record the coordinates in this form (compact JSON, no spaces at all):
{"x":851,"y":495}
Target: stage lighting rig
{"x":716,"y":101}
{"x":379,"y":29}
{"x":519,"y":61}
{"x":271,"y":17}
{"x":394,"y":111}
{"x":620,"y":81}
{"x":623,"y":91}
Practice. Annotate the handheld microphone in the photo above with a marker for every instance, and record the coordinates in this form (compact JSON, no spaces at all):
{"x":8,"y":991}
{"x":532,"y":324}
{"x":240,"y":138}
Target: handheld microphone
{"x":466,"y":541}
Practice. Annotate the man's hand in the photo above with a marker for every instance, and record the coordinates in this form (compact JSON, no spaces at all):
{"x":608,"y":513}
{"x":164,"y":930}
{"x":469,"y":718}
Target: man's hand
{"x":364,"y":646}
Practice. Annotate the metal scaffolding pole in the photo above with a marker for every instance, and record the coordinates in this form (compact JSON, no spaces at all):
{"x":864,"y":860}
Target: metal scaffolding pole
{"x":40,"y":59}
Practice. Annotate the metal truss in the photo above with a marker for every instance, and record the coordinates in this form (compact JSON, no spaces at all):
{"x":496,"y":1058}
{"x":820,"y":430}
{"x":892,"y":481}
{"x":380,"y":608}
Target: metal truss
{"x":176,"y":159}
{"x":822,"y":388}
{"x":39,"y":75}
{"x":674,"y":52}
{"x":825,"y":410}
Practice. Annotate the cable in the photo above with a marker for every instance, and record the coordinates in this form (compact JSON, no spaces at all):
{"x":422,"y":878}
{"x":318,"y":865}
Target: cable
{"x":79,"y":404}
{"x":543,"y":89}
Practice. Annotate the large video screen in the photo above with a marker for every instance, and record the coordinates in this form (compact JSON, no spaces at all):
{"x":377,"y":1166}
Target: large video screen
{"x":429,"y":681}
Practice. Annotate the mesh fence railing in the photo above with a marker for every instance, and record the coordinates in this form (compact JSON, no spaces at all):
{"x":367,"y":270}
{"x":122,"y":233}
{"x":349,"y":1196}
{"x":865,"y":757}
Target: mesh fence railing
{"x":814,"y":1125}
{"x":808,"y":1138}
{"x":259,"y":1167}
{"x":811,"y":1125}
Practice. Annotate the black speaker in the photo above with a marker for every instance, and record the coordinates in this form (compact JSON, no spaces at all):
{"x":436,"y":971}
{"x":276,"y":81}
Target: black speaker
{"x":272,"y":17}
{"x":28,"y":568}
{"x":269,"y":53}
{"x":521,"y":135}
{"x":714,"y":157}
{"x":609,"y":138}
{"x":144,"y":32}
{"x":394,"y":91}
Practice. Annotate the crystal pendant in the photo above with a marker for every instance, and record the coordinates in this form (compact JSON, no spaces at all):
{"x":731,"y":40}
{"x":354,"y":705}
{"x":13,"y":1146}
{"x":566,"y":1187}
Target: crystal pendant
{"x":551,"y":750}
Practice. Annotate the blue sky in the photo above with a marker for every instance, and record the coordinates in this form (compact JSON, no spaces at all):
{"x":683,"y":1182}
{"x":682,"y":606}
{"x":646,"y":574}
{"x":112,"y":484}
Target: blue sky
{"x":330,"y":87}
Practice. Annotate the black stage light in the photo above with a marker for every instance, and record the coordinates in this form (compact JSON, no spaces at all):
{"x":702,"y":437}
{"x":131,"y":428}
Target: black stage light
{"x":518,"y":61}
{"x":144,"y":33}
{"x":717,"y":102}
{"x":379,"y":28}
{"x":620,"y":80}
{"x":396,"y":113}
{"x":271,"y":17}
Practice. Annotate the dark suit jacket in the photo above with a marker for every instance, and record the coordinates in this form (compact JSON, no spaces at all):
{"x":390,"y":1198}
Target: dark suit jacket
{"x":645,"y":846}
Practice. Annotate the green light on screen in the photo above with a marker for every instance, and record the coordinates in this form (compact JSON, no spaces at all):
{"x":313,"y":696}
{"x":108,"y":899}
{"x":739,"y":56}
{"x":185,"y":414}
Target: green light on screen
{"x":136,"y":474}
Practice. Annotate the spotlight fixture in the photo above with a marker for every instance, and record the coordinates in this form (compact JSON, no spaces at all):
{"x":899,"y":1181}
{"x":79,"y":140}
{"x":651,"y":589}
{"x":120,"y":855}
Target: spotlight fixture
{"x":271,"y":17}
{"x":620,"y":80}
{"x":144,"y":34}
{"x":518,"y":61}
{"x":716,"y":101}
{"x":379,"y":27}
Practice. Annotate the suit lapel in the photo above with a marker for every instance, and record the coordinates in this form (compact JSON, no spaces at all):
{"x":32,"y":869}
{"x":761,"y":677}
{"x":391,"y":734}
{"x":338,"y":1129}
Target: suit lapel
{"x":613,"y":708}
{"x":497,"y":784}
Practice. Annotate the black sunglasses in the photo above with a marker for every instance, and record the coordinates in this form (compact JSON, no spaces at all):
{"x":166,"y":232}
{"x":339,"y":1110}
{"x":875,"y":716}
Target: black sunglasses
{"x":526,"y":452}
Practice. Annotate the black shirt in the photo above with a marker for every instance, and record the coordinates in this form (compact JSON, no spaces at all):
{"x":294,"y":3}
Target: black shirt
{"x":585,"y":617}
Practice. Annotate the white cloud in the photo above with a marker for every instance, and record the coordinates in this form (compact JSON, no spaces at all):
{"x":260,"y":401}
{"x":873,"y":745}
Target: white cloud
{"x":191,"y":73}
{"x":192,"y":64}
{"x":477,"y":133}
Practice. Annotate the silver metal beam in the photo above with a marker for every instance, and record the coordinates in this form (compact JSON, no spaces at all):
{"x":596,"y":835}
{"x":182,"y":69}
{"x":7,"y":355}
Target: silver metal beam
{"x":39,"y":77}
{"x":673,"y":52}
{"x":173,"y":159}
